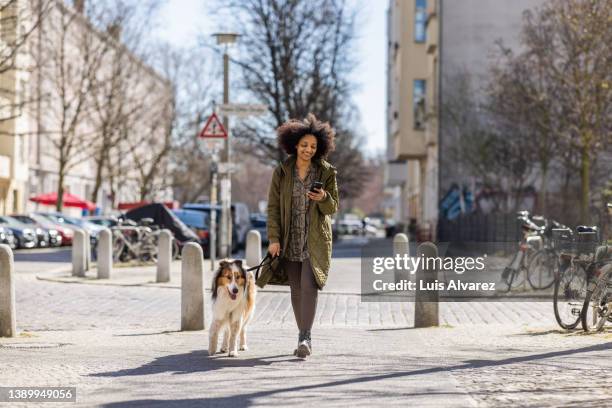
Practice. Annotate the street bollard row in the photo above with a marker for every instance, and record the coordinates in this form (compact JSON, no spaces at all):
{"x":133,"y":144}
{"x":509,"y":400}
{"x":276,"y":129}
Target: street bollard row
{"x":79,"y":257}
{"x":192,"y":288}
{"x":164,"y":256}
{"x":426,"y":313}
{"x":105,"y":254}
{"x":400,"y":247}
{"x":7,"y":293}
{"x":253,"y":248}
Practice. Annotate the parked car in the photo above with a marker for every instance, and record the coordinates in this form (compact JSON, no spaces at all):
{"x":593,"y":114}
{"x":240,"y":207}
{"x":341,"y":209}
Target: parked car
{"x":92,"y":229}
{"x":46,"y":233}
{"x":7,"y":237}
{"x":103,"y":221}
{"x":199,"y":223}
{"x":241,"y":222}
{"x":349,"y":227}
{"x":66,"y":232}
{"x":25,"y":235}
{"x":259,"y":222}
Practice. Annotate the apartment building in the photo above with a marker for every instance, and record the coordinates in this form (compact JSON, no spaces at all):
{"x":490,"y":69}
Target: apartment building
{"x":30,"y":156}
{"x":431,"y":43}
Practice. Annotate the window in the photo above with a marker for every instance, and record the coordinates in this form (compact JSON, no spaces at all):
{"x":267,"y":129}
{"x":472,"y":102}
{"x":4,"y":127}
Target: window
{"x":418,"y":103}
{"x":420,"y":20}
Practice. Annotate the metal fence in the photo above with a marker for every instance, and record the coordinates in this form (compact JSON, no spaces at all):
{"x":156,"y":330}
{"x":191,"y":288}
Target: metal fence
{"x":476,"y":227}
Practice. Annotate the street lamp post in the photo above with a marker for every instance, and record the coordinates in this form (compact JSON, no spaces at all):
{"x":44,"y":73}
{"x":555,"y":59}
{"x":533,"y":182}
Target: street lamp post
{"x":226,"y":187}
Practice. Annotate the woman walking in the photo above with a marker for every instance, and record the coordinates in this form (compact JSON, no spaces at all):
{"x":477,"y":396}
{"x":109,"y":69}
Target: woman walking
{"x":299,"y":218}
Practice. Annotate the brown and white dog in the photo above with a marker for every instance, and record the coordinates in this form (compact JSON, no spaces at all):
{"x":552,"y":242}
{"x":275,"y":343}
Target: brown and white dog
{"x":233,"y":295}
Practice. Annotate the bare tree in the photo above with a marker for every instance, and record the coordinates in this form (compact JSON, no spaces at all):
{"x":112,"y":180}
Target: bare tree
{"x":296,"y":57}
{"x":70,"y":55}
{"x":151,"y":131}
{"x":567,"y":48}
{"x":114,"y":100}
{"x":191,"y":160}
{"x":18,"y":22}
{"x":518,"y":98}
{"x":496,"y":152}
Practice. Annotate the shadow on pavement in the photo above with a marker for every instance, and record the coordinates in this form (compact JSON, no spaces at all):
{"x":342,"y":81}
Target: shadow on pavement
{"x":194,"y":362}
{"x":180,"y":362}
{"x":147,"y":334}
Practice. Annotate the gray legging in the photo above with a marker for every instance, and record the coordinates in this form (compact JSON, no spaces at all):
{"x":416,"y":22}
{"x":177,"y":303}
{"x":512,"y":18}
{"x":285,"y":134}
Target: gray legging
{"x":304,"y":291}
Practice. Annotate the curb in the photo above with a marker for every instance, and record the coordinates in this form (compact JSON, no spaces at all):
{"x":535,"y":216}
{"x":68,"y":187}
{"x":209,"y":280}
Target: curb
{"x":69,"y":279}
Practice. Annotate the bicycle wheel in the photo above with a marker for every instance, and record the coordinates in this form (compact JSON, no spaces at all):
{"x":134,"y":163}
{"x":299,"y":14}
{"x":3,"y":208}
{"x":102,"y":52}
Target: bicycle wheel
{"x":568,"y":298}
{"x":517,"y":278}
{"x":516,"y":275}
{"x":541,"y":269}
{"x":176,"y":250}
{"x":118,"y":247}
{"x":597,"y":306}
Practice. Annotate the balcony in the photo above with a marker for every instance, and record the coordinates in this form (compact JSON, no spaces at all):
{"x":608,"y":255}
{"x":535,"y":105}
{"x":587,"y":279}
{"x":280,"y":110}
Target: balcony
{"x":5,"y":167}
{"x":396,"y":173}
{"x":410,"y":144}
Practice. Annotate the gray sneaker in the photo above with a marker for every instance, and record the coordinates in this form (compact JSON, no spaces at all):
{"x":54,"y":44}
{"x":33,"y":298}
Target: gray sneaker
{"x":303,"y":349}
{"x":304,"y":346}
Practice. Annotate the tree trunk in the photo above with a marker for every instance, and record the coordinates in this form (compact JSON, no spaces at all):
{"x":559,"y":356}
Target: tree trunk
{"x":543,"y":191}
{"x":585,"y":170}
{"x":59,"y":204}
{"x":100,"y":166}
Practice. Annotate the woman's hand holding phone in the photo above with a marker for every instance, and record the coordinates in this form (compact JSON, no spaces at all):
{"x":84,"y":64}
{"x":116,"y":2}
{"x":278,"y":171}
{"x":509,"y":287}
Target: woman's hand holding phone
{"x":316,"y":192}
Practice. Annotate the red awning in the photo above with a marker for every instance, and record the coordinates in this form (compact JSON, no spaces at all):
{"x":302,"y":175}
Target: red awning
{"x":69,"y":200}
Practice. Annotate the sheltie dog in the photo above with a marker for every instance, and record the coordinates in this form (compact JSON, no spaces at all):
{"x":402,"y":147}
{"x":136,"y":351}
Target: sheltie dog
{"x":233,"y":296}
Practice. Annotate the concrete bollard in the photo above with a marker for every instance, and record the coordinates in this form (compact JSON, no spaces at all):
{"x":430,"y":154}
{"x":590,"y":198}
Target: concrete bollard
{"x":400,"y":247}
{"x":8,"y":326}
{"x":79,"y":258}
{"x":192,"y":288}
{"x":253,"y":248}
{"x":87,"y":250}
{"x":164,"y":256}
{"x":426,"y":301}
{"x":105,"y":254}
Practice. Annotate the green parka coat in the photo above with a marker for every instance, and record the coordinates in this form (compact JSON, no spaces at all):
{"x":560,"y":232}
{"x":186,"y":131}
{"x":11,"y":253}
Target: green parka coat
{"x":319,"y":238}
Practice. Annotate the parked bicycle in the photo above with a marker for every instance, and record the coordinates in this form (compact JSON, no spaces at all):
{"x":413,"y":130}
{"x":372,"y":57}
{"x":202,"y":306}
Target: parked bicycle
{"x":516,"y":272}
{"x":597,"y":306}
{"x":135,"y":241}
{"x":575,"y":271}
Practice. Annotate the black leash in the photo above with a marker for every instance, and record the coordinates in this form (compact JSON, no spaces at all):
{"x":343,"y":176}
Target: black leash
{"x":261,"y":264}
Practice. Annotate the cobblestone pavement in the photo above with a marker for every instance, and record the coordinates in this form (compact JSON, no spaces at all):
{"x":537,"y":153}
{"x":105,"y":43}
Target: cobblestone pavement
{"x":59,"y":306}
{"x":120,"y":346}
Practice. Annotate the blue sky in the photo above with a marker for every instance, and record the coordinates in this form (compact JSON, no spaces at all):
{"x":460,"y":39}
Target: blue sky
{"x":183,"y":20}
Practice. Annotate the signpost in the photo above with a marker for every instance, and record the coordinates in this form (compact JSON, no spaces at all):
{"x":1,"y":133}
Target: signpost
{"x":242,"y":109}
{"x":213,"y":128}
{"x":214,"y":134}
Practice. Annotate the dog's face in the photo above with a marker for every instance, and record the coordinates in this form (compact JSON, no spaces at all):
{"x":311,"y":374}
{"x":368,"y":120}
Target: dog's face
{"x":230,"y":280}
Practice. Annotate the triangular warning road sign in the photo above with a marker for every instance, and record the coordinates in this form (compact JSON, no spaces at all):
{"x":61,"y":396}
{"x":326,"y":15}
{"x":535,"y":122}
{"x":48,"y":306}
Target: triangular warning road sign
{"x":213,"y":128}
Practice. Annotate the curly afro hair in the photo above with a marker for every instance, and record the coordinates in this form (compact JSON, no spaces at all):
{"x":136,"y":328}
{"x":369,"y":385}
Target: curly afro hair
{"x":290,"y":133}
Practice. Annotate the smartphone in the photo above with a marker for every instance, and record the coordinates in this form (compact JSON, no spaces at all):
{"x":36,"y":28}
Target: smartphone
{"x":316,"y":185}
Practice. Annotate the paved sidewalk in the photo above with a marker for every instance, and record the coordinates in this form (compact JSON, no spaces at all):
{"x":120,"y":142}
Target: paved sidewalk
{"x":484,"y":365}
{"x":144,"y":275}
{"x":121,"y":346}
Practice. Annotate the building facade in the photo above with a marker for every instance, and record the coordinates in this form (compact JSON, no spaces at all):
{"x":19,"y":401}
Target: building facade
{"x":431,"y":44}
{"x":59,"y":121}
